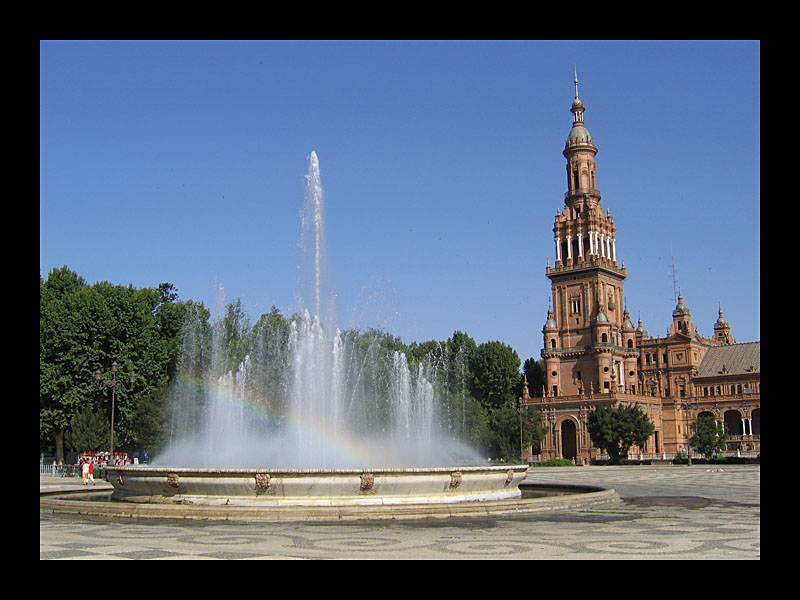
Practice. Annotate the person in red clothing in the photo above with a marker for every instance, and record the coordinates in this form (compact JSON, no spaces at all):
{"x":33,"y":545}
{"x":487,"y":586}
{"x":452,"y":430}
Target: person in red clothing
{"x":91,"y":470}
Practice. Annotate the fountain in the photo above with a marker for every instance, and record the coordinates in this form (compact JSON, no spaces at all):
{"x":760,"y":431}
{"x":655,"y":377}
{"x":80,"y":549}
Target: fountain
{"x":312,"y":419}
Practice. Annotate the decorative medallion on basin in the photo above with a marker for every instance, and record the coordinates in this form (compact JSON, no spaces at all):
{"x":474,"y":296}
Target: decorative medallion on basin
{"x":367,"y":481}
{"x":262,"y":481}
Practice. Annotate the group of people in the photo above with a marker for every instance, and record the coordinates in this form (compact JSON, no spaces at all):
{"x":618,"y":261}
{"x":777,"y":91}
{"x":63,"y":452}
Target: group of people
{"x":88,"y":461}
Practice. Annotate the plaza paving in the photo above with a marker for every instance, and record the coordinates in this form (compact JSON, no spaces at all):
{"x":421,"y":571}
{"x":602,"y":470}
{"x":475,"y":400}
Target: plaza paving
{"x":667,"y":512}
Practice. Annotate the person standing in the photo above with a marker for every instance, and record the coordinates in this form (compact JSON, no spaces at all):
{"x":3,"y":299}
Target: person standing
{"x":91,"y":470}
{"x":84,"y":470}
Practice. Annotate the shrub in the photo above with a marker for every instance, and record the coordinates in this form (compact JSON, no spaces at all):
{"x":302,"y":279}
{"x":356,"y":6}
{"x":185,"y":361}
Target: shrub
{"x":555,"y":462}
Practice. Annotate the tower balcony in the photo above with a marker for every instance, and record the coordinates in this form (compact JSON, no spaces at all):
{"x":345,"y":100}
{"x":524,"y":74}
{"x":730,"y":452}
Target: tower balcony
{"x":582,"y":192}
{"x":587,"y":262}
{"x":594,"y":348}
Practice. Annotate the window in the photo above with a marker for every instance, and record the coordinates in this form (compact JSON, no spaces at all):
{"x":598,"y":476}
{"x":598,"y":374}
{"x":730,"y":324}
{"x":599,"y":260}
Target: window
{"x":576,"y":305}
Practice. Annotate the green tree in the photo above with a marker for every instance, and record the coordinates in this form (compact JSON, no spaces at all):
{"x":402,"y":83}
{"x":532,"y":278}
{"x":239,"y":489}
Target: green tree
{"x":89,"y":431}
{"x":232,"y":337}
{"x":505,"y":420}
{"x":514,"y":428}
{"x":447,"y":366}
{"x":149,"y":421}
{"x":270,"y":364}
{"x":495,"y":374}
{"x":615,"y":430}
{"x":84,"y":329}
{"x":68,"y":353}
{"x":534,"y":371}
{"x":533,"y":427}
{"x":709,"y":436}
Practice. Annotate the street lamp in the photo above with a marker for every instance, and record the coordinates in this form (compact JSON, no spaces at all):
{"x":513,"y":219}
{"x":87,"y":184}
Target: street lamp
{"x":686,"y":407}
{"x":520,"y":429}
{"x":113,"y":384}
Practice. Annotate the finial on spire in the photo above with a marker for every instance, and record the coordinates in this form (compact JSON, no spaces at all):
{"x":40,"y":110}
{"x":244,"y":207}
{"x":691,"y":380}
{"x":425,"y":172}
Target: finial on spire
{"x":576,"y":82}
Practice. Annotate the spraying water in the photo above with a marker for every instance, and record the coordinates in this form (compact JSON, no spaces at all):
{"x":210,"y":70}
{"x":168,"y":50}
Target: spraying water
{"x":312,"y":223}
{"x":308,"y":395}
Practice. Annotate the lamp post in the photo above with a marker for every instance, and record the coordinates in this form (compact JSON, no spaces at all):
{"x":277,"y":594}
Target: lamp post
{"x":113,"y":384}
{"x":686,"y":407}
{"x":520,"y":429}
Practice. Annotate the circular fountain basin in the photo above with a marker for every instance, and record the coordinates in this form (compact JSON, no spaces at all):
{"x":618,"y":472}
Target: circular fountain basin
{"x":315,"y":487}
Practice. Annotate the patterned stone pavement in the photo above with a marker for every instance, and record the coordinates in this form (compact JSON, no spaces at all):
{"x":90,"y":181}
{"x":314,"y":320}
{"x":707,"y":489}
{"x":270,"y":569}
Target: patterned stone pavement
{"x":670,"y":512}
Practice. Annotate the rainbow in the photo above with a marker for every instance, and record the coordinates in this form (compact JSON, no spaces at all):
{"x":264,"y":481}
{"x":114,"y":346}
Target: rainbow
{"x":355,"y":452}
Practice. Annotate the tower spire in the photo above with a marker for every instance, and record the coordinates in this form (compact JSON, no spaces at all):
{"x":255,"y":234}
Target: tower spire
{"x":576,"y":82}
{"x":722,"y":329}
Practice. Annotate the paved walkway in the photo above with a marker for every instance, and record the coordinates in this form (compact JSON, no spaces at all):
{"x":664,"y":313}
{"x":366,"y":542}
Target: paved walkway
{"x":669,"y":512}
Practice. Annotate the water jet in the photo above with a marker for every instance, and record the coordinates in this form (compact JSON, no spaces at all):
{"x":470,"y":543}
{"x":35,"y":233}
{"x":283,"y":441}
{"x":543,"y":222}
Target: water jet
{"x":310,"y":418}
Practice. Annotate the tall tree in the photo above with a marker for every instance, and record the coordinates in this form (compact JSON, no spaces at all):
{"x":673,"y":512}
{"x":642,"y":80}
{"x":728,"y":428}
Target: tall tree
{"x":68,"y":353}
{"x":709,"y":436}
{"x":534,"y":371}
{"x":615,"y":430}
{"x":89,"y":430}
{"x":495,"y":373}
{"x":84,"y":329}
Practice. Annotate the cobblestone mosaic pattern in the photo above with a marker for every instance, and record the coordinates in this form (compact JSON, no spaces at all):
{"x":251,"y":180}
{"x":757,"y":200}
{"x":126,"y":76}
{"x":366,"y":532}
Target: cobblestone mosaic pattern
{"x":668,"y":513}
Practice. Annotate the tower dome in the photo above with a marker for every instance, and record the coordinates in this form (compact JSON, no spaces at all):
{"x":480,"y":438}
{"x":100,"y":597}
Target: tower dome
{"x":578,"y":136}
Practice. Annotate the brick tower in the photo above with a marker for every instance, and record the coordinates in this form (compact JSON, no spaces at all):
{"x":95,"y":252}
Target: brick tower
{"x":589,"y":340}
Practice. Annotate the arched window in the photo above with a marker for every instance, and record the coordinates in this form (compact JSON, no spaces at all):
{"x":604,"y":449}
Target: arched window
{"x":733,"y":422}
{"x":604,"y":338}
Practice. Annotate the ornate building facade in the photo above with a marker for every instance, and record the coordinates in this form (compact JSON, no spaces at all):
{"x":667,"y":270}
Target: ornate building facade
{"x":593,"y":354}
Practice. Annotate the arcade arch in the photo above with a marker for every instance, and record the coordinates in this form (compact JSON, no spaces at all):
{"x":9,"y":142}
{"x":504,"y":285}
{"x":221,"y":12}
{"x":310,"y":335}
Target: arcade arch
{"x":569,"y":439}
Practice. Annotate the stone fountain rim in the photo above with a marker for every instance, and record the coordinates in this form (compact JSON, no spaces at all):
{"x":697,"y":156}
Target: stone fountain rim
{"x":61,"y":505}
{"x":344,"y":471}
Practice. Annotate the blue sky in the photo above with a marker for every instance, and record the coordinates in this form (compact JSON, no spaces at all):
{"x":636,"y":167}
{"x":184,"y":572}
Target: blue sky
{"x":441,"y":166}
